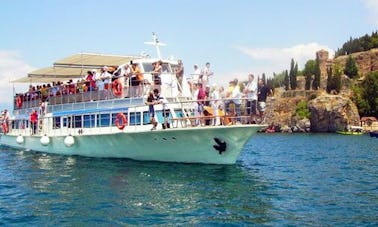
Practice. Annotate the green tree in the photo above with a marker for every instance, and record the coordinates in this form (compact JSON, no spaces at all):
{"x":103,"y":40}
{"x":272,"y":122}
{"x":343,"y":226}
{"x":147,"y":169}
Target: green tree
{"x":287,"y":81}
{"x":292,"y":75}
{"x":351,"y":69}
{"x":264,"y":78}
{"x":302,"y":110}
{"x":316,"y":82}
{"x":330,"y":84}
{"x":337,"y":79}
{"x":278,"y":79}
{"x":370,"y":93}
{"x":308,"y":72}
{"x":295,"y":75}
{"x":366,"y":95}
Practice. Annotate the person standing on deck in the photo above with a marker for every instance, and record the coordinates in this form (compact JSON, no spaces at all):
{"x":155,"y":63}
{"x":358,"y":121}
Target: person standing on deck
{"x":161,"y":100}
{"x":251,"y":91}
{"x":6,"y":119}
{"x":34,"y":121}
{"x":138,"y":80}
{"x":151,"y":101}
{"x":262,"y":94}
{"x":180,"y":74}
{"x":205,"y":74}
{"x":195,"y":77}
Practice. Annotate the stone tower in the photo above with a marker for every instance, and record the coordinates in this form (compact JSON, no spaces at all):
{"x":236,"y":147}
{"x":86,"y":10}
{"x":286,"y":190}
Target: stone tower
{"x":324,"y":61}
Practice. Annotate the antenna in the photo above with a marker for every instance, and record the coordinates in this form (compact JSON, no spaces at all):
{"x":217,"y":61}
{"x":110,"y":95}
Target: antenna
{"x":155,"y":42}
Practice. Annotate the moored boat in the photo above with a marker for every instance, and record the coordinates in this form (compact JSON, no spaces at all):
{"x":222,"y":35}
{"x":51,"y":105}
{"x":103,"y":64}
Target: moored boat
{"x":352,"y":130}
{"x":114,"y":120}
{"x":374,"y":134}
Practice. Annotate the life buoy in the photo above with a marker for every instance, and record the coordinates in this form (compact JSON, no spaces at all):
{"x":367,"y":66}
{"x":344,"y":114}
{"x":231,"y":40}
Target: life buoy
{"x":117,"y":88}
{"x":19,"y":102}
{"x":4,"y":127}
{"x":120,"y":121}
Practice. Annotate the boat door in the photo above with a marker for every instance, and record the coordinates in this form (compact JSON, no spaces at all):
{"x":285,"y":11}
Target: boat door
{"x":67,"y":121}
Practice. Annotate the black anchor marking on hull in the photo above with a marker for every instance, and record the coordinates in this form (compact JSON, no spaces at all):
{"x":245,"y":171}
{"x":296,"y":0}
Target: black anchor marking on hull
{"x":221,"y":145}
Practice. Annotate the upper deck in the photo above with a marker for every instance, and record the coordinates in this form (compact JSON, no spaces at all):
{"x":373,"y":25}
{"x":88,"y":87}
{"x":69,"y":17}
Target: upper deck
{"x":64,"y":86}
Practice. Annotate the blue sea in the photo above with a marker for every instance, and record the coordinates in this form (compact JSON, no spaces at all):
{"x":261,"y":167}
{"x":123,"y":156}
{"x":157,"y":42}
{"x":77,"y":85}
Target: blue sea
{"x":278,"y":180}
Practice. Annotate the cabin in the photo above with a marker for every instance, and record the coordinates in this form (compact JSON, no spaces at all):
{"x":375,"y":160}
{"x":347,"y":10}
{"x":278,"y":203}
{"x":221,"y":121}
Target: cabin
{"x":369,"y":123}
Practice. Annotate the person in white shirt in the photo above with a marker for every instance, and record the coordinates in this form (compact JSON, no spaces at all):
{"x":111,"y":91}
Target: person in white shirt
{"x":250,"y":91}
{"x":237,"y":95}
{"x":205,"y":74}
{"x":215,"y":102}
{"x":105,"y":77}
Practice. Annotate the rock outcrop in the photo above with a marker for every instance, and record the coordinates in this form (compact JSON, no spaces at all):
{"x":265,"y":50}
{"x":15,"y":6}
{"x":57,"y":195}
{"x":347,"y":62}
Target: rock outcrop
{"x":367,"y":61}
{"x":332,"y":112}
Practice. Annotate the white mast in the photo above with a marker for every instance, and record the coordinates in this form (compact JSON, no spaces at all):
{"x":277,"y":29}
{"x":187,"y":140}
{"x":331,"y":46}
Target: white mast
{"x":156,"y":43}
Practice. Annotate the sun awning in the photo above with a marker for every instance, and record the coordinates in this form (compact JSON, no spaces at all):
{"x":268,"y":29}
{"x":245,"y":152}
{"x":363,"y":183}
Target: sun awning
{"x":88,"y":60}
{"x":73,"y":67}
{"x":50,"y":74}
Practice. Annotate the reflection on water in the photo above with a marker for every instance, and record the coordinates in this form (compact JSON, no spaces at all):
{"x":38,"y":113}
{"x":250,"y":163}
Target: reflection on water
{"x":88,"y":190}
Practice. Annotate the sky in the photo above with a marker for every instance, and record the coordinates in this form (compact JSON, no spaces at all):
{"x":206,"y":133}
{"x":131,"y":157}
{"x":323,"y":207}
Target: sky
{"x":237,"y":37}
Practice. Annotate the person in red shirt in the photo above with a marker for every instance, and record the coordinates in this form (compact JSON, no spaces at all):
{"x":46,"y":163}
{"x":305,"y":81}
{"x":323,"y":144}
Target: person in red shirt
{"x":34,"y":121}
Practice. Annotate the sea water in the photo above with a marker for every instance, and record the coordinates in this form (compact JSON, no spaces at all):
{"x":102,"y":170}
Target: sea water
{"x":278,"y":180}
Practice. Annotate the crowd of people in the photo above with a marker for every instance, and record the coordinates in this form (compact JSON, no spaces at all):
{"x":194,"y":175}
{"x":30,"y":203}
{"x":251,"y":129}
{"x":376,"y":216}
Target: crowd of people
{"x":215,"y":102}
{"x":245,"y":105}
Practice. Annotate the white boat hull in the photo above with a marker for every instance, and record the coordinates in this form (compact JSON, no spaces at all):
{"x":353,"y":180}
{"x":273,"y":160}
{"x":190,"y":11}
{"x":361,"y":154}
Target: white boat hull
{"x":213,"y":145}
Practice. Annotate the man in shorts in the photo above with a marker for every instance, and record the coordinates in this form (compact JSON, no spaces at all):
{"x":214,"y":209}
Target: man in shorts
{"x":262,"y":94}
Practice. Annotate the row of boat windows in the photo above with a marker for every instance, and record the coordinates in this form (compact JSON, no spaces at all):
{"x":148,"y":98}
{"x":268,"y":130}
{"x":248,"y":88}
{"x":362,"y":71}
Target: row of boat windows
{"x":97,"y":120}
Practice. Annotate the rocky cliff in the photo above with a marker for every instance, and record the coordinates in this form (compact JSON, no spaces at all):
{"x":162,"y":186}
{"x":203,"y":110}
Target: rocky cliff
{"x":332,"y":112}
{"x":328,"y":113}
{"x":366,"y":61}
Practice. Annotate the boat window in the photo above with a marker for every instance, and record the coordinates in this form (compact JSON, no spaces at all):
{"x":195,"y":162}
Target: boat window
{"x":174,"y":67}
{"x":78,"y":122}
{"x":146,"y":118}
{"x":67,"y":122}
{"x":56,"y":122}
{"x":89,"y":121}
{"x":179,"y":113}
{"x":103,"y":120}
{"x":148,"y":67}
{"x":166,"y":68}
{"x":135,"y":118}
{"x":159,"y":115}
{"x":18,"y":124}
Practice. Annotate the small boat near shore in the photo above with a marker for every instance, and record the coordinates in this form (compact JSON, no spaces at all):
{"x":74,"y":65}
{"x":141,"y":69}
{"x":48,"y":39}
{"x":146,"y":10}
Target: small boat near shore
{"x":114,"y":121}
{"x":352,"y":130}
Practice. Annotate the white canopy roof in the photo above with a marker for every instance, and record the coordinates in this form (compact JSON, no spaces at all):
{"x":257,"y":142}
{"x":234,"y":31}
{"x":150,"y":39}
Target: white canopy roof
{"x":73,"y":67}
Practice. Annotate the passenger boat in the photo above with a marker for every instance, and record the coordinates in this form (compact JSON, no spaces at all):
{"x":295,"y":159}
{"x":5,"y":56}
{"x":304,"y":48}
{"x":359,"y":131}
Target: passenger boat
{"x":114,"y":122}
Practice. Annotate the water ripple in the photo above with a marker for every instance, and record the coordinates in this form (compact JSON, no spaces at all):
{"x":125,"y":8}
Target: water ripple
{"x":279,"y":180}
